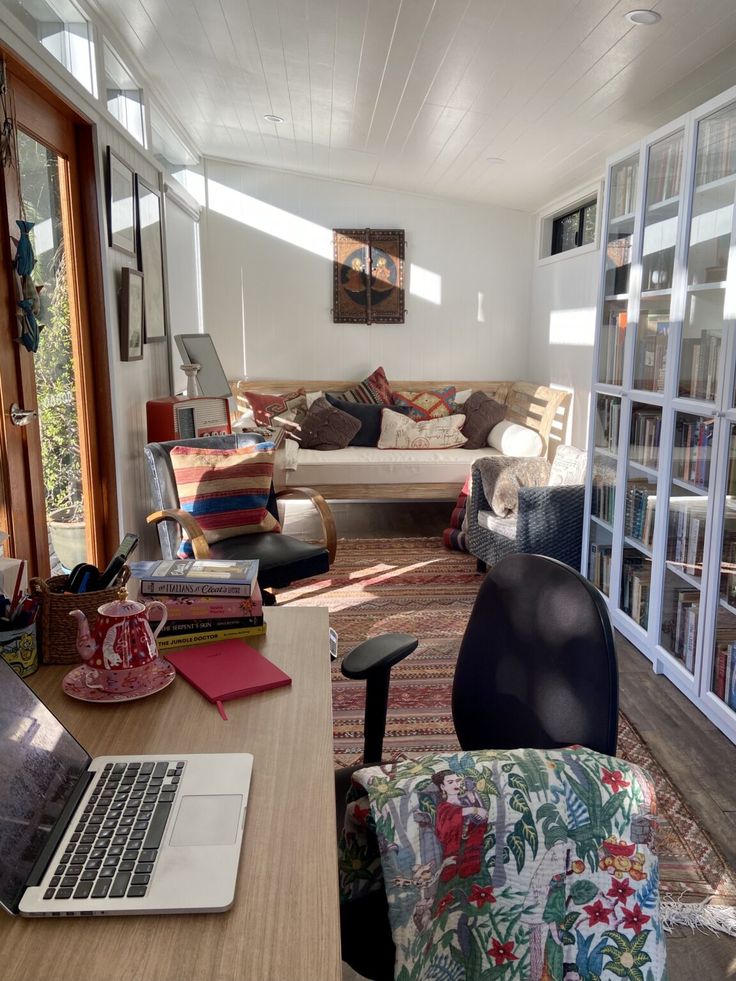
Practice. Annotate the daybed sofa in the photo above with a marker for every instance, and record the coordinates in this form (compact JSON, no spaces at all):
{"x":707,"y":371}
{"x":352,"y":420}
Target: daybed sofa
{"x":368,"y":473}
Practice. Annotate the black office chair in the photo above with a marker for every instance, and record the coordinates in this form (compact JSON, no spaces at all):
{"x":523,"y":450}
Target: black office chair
{"x":282,"y":559}
{"x":536,"y":669}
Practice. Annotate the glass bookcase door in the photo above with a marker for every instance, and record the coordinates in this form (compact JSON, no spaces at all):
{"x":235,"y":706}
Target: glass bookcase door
{"x":612,"y":340}
{"x":723,"y":677}
{"x":708,"y":255}
{"x":661,"y":213}
{"x":686,"y":535}
{"x":640,"y":511}
{"x":603,"y":499}
{"x":652,"y":335}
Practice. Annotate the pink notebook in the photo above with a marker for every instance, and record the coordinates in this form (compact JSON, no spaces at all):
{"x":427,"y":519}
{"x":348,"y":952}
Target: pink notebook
{"x":227,"y":669}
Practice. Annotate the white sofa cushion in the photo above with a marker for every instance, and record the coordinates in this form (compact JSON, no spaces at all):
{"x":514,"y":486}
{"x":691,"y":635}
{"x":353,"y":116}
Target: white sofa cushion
{"x":513,"y":439}
{"x":368,"y":465}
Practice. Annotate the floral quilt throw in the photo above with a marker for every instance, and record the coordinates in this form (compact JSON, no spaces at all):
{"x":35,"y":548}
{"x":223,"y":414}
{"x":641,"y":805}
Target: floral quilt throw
{"x":514,"y":865}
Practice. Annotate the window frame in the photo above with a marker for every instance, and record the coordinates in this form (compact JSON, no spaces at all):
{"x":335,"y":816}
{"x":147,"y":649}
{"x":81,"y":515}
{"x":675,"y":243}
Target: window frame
{"x":557,"y":227}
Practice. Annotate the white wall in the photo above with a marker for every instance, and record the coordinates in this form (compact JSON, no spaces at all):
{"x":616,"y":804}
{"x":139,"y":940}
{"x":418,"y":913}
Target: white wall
{"x":267,"y":273}
{"x":562,"y":328}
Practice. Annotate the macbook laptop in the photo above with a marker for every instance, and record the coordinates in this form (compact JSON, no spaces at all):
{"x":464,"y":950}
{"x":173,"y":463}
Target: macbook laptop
{"x":114,"y":834}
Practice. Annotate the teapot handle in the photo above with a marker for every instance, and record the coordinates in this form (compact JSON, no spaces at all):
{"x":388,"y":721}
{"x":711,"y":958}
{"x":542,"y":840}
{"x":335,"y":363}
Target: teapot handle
{"x":164,"y":615}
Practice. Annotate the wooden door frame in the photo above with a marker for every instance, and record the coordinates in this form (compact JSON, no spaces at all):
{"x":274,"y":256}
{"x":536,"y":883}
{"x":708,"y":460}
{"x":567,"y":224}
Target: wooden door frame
{"x":52,"y":121}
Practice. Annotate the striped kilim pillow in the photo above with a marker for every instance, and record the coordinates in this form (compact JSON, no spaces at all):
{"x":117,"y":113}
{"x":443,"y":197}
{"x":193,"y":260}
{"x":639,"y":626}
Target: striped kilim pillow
{"x":373,"y":390}
{"x":227,"y":491}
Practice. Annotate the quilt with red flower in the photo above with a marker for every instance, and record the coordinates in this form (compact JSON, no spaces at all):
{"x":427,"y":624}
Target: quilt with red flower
{"x":520,"y":865}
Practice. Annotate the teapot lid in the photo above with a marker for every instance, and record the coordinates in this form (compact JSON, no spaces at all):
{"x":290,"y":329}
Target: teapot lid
{"x":121,"y":608}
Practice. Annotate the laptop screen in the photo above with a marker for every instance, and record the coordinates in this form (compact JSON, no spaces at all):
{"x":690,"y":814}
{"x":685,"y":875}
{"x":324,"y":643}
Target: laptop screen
{"x":40,"y":765}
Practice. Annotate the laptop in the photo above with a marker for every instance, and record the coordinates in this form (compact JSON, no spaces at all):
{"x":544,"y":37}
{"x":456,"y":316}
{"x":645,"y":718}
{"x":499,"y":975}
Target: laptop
{"x":114,"y":834}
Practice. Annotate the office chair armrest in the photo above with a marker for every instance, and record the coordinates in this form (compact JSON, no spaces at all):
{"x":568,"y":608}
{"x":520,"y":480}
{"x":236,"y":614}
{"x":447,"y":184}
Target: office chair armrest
{"x":189,"y":524}
{"x":329,"y":534}
{"x":380,"y":652}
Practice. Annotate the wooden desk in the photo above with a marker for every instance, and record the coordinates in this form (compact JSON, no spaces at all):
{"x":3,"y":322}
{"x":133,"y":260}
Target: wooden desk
{"x":284,"y":924}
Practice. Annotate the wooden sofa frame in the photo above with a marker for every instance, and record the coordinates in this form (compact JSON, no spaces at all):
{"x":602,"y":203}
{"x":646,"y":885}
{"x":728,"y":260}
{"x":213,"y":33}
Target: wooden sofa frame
{"x":538,"y":407}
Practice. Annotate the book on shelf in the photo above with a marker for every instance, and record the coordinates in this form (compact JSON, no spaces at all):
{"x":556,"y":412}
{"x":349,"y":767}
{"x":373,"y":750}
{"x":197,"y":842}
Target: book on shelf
{"x":175,"y":641}
{"x":202,"y":577}
{"x":699,"y":365}
{"x":646,"y":429}
{"x":686,"y":533}
{"x":606,"y":424}
{"x":687,"y":605}
{"x":693,"y":444}
{"x":639,"y":512}
{"x":194,"y":606}
{"x":600,"y":565}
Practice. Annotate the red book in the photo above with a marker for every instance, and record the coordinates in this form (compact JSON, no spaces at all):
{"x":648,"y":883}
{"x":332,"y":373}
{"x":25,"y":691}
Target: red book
{"x":227,"y":669}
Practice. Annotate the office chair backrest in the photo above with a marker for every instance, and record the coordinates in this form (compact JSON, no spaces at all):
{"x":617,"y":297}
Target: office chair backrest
{"x":163,"y":485}
{"x":537,"y":665}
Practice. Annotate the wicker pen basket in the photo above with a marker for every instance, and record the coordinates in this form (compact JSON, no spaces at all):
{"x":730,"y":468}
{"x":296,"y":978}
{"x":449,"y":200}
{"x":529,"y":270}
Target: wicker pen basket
{"x":57,"y":631}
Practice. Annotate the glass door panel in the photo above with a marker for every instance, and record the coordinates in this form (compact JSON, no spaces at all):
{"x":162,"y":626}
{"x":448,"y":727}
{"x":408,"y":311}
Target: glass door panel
{"x":652,"y":333}
{"x":723,"y":678}
{"x":686,"y":535}
{"x":53,"y":362}
{"x":708,"y":255}
{"x":640,"y":511}
{"x":612,"y":338}
{"x":606,"y":435}
{"x":620,"y":225}
{"x":662,"y":209}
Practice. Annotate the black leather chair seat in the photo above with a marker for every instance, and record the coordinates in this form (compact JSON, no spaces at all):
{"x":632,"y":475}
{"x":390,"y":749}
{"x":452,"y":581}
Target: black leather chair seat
{"x":282,"y":559}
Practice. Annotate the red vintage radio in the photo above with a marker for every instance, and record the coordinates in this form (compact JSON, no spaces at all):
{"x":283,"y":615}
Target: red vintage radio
{"x":185,"y":417}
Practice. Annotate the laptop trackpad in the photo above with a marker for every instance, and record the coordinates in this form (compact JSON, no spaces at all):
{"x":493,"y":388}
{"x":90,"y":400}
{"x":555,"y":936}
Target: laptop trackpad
{"x":207,"y":820}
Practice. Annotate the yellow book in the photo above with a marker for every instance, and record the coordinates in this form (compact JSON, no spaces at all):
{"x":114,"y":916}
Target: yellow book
{"x":176,"y":641}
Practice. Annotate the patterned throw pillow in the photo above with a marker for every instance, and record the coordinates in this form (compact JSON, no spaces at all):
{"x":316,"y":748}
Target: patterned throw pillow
{"x":369,"y":417}
{"x":374,"y":389}
{"x":325,"y":427}
{"x":568,"y":467}
{"x":227,"y":491}
{"x":429,"y":404}
{"x":482,"y":413}
{"x":273,"y":409}
{"x":401,"y":433}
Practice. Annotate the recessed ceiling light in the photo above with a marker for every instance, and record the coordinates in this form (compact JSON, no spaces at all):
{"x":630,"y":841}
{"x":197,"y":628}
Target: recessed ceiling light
{"x":269,"y":117}
{"x":494,"y":160}
{"x":643,"y":16}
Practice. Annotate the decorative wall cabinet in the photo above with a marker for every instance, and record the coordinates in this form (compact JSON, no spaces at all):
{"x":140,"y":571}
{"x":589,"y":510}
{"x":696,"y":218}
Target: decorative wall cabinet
{"x":660,"y":528}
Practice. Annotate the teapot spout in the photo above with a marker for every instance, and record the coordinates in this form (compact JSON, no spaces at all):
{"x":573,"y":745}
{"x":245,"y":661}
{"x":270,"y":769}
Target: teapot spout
{"x":85,"y":644}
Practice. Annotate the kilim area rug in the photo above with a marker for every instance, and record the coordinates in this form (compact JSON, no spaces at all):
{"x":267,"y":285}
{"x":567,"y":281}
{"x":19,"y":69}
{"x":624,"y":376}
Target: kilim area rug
{"x":417,"y":586}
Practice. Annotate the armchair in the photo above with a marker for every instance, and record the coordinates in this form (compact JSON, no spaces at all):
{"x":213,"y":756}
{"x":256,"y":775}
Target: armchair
{"x":283,"y":559}
{"x":549,"y":517}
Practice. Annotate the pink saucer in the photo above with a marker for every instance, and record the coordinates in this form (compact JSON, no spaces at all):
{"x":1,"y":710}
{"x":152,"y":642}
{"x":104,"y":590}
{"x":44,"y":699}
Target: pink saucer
{"x":160,"y":674}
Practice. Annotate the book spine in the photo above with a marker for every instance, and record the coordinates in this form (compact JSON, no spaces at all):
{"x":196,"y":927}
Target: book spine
{"x":168,"y":587}
{"x":174,"y":641}
{"x":177,"y":627}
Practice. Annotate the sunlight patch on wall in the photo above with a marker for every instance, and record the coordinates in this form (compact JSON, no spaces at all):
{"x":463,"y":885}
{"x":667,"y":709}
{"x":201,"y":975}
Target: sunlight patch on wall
{"x":266,"y":218}
{"x":425,"y":284}
{"x":481,"y":310}
{"x":572,"y":328}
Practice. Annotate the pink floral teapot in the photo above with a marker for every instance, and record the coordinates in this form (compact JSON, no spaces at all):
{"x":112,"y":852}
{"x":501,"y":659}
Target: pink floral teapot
{"x":121,"y":637}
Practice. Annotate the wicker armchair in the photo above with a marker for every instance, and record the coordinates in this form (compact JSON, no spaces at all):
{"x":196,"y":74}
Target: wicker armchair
{"x":549,"y":521}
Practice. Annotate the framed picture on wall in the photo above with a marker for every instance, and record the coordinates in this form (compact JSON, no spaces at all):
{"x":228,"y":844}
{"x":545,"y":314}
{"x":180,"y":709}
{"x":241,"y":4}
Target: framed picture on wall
{"x":120,"y":204}
{"x":131,"y":315}
{"x":151,"y":259}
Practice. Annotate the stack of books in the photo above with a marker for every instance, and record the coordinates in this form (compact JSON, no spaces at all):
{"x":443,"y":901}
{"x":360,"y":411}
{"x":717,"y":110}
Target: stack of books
{"x":207,"y":600}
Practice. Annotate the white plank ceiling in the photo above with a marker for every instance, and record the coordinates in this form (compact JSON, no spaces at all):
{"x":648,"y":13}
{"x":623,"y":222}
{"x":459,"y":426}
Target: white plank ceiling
{"x":419,"y":94}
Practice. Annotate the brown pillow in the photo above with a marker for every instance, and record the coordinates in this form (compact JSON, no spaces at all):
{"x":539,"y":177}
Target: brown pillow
{"x":482,"y":413}
{"x":325,"y":428}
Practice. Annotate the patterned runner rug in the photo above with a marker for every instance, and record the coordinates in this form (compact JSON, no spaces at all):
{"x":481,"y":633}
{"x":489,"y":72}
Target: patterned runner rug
{"x":417,"y":586}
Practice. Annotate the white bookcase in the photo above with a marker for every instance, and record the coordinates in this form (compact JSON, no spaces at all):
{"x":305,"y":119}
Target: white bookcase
{"x":660,"y":526}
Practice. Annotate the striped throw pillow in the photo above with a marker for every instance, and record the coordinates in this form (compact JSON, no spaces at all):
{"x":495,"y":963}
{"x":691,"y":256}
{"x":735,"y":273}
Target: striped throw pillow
{"x":227,"y":491}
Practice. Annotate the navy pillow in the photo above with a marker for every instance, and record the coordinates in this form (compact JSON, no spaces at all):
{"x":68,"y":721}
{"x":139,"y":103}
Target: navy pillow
{"x":369,"y":417}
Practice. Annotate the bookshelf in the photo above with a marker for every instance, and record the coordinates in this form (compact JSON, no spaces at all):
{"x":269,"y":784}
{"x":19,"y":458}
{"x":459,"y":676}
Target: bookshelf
{"x":660,"y":528}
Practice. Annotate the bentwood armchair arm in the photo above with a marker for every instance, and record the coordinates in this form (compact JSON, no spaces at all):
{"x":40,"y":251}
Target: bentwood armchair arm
{"x":329,"y":533}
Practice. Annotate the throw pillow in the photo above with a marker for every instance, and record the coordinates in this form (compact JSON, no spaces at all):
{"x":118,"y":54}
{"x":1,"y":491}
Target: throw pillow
{"x":568,"y":467}
{"x":374,"y":389}
{"x":274,"y":409}
{"x":326,"y":428}
{"x":402,"y":433}
{"x":227,"y":491}
{"x":515,"y":440}
{"x":502,"y":478}
{"x":369,"y":417}
{"x":482,"y":413}
{"x":429,"y":404}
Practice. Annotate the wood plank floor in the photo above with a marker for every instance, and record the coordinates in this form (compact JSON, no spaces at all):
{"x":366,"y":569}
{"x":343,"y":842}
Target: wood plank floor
{"x":699,"y":759}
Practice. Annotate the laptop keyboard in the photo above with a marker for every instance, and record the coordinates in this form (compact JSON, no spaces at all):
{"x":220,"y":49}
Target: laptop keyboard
{"x":113,"y":850}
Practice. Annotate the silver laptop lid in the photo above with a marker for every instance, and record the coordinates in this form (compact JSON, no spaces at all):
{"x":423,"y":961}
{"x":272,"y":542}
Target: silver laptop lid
{"x":41,"y":769}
